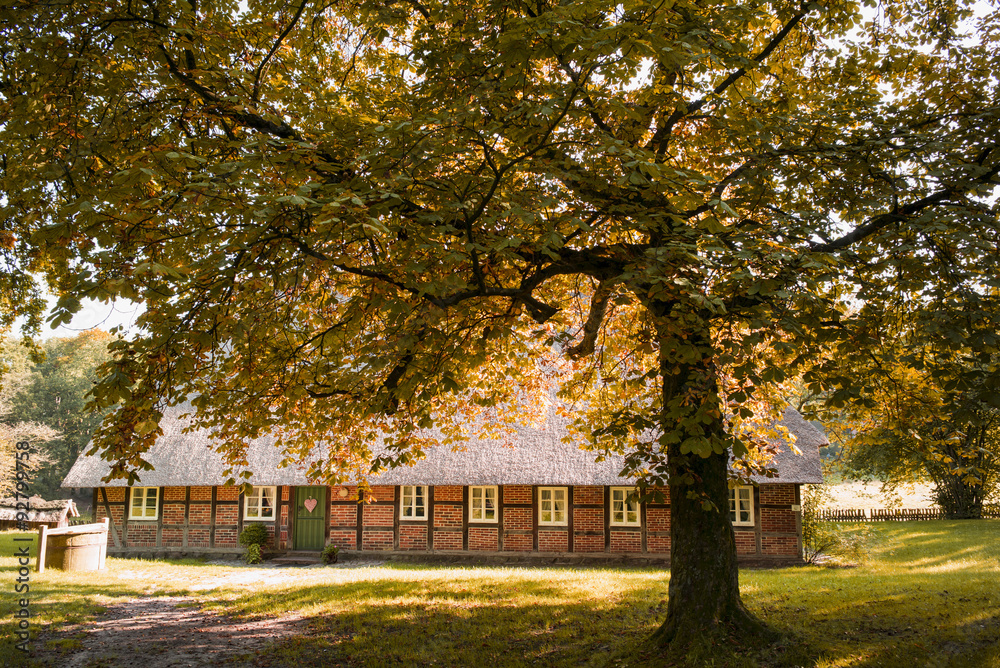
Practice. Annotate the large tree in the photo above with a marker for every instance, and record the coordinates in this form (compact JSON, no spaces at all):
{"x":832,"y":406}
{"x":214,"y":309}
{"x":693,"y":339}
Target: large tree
{"x":352,"y":221}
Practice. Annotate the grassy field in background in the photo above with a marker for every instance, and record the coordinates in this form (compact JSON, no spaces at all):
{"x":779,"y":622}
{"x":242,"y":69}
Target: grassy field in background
{"x":928,"y":595}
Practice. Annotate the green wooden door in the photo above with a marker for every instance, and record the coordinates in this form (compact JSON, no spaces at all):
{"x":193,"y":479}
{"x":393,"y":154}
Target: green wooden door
{"x":310,"y":518}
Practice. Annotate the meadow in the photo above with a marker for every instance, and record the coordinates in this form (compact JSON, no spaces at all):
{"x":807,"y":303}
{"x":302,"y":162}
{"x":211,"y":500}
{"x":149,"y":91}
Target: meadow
{"x":928,"y":594}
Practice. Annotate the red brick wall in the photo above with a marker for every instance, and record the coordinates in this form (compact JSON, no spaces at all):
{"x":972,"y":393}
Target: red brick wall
{"x":588,"y":519}
{"x":173,"y":537}
{"x":284,"y":493}
{"x":658,"y":544}
{"x":588,"y":543}
{"x":626,"y":541}
{"x":226,"y":515}
{"x":344,"y":515}
{"x":352,"y":493}
{"x":588,"y":495}
{"x":226,"y":537}
{"x":344,"y":539}
{"x":198,"y":537}
{"x":777,"y":520}
{"x":779,"y":546}
{"x":115,"y":494}
{"x":227,"y":493}
{"x":517,"y":494}
{"x":384,"y":492}
{"x":380,"y":516}
{"x":746,"y":542}
{"x":483,"y":538}
{"x":518,"y":542}
{"x":174,"y":493}
{"x":517,"y":518}
{"x":657,"y":518}
{"x":376,"y":539}
{"x":201,"y":493}
{"x":200,"y":513}
{"x":777,"y":494}
{"x":447,"y":515}
{"x":447,"y":540}
{"x":412,"y":537}
{"x":141,"y":534}
{"x":448,"y":493}
{"x":173,"y":513}
{"x":117,"y":514}
{"x":553,"y":540}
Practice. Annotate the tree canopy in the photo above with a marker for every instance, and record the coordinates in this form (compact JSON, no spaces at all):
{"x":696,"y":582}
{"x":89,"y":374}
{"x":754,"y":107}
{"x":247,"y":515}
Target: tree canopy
{"x":349,"y":222}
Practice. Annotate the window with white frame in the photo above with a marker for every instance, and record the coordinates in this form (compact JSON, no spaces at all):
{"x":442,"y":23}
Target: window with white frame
{"x":145,"y":503}
{"x":259,"y":504}
{"x":413,"y":502}
{"x":482,"y":504}
{"x":552,"y":506}
{"x":625,"y":507}
{"x":741,"y":506}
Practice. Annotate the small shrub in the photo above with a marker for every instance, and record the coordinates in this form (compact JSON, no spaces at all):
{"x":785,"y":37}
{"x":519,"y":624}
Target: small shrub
{"x":329,"y":554}
{"x":253,"y":554}
{"x":822,"y":539}
{"x":254,"y":537}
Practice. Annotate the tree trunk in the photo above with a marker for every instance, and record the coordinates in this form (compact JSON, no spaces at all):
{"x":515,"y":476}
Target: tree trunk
{"x":704,"y":592}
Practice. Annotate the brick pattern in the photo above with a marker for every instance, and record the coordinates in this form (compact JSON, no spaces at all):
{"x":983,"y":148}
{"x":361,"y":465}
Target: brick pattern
{"x":588,"y":495}
{"x":517,"y":494}
{"x":201,"y":493}
{"x":172,"y":537}
{"x":352,"y":493}
{"x":588,"y":542}
{"x":226,"y":537}
{"x":518,"y":543}
{"x":779,"y":494}
{"x":447,"y":540}
{"x":227,"y":514}
{"x":588,"y":519}
{"x":115,"y":494}
{"x":657,"y":518}
{"x":448,"y":493}
{"x":284,"y":493}
{"x":198,"y":537}
{"x":343,"y":515}
{"x":117,"y":514}
{"x":141,"y":534}
{"x":658,"y":544}
{"x":173,"y":513}
{"x":376,"y":539}
{"x":384,"y":492}
{"x":777,"y":520}
{"x":446,"y":515}
{"x":515,"y":519}
{"x":785,"y":546}
{"x":412,"y":537}
{"x":344,"y":539}
{"x":200,"y":513}
{"x":175,"y":493}
{"x":746,"y":542}
{"x":378,"y":516}
{"x":553,"y":541}
{"x":483,"y":539}
{"x":626,"y":541}
{"x":228,"y":493}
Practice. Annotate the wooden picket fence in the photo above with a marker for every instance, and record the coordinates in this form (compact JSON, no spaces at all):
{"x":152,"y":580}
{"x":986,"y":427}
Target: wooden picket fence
{"x":893,"y":515}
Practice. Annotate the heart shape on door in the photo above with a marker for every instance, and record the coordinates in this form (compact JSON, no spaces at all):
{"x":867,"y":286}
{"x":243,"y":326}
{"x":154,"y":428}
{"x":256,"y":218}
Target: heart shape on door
{"x":310,"y":504}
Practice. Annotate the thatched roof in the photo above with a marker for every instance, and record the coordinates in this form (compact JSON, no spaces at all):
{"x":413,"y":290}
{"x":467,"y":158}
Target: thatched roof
{"x":537,"y":456}
{"x":38,"y":509}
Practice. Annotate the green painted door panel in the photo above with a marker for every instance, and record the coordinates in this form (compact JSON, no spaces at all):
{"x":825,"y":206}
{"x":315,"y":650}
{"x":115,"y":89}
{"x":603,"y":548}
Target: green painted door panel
{"x":310,"y":518}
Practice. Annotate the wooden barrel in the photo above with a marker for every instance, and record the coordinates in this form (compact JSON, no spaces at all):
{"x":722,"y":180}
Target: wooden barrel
{"x":76,"y":552}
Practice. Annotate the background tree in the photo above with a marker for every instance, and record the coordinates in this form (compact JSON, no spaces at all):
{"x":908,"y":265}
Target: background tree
{"x":53,"y":393}
{"x":350,"y":222}
{"x":16,"y":362}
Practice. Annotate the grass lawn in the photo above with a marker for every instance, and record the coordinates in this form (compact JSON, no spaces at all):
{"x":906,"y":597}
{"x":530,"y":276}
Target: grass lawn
{"x":928,"y":596}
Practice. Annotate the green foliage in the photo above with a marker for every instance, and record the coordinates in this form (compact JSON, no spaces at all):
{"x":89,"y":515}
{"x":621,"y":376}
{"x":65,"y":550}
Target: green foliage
{"x":821,"y":540}
{"x":254,"y":533}
{"x":53,"y":392}
{"x":253,"y":554}
{"x":329,"y":554}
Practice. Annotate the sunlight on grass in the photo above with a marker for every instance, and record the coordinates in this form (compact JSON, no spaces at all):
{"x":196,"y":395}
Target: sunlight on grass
{"x":928,"y":595}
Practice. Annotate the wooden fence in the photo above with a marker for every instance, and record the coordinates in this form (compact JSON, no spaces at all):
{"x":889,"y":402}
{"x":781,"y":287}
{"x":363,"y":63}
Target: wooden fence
{"x":893,"y":515}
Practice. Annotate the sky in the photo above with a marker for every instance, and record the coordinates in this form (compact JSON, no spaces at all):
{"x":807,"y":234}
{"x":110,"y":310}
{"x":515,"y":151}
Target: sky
{"x":96,"y":315}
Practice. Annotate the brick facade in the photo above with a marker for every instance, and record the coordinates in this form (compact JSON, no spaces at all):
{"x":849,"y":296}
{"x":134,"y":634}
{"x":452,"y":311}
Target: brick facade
{"x":201,"y":517}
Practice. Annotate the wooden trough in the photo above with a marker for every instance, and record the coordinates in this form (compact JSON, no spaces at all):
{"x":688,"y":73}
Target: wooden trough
{"x":79,"y":548}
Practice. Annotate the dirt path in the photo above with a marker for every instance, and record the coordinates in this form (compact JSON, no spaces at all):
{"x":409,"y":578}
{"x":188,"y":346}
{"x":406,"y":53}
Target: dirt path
{"x":162,"y":632}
